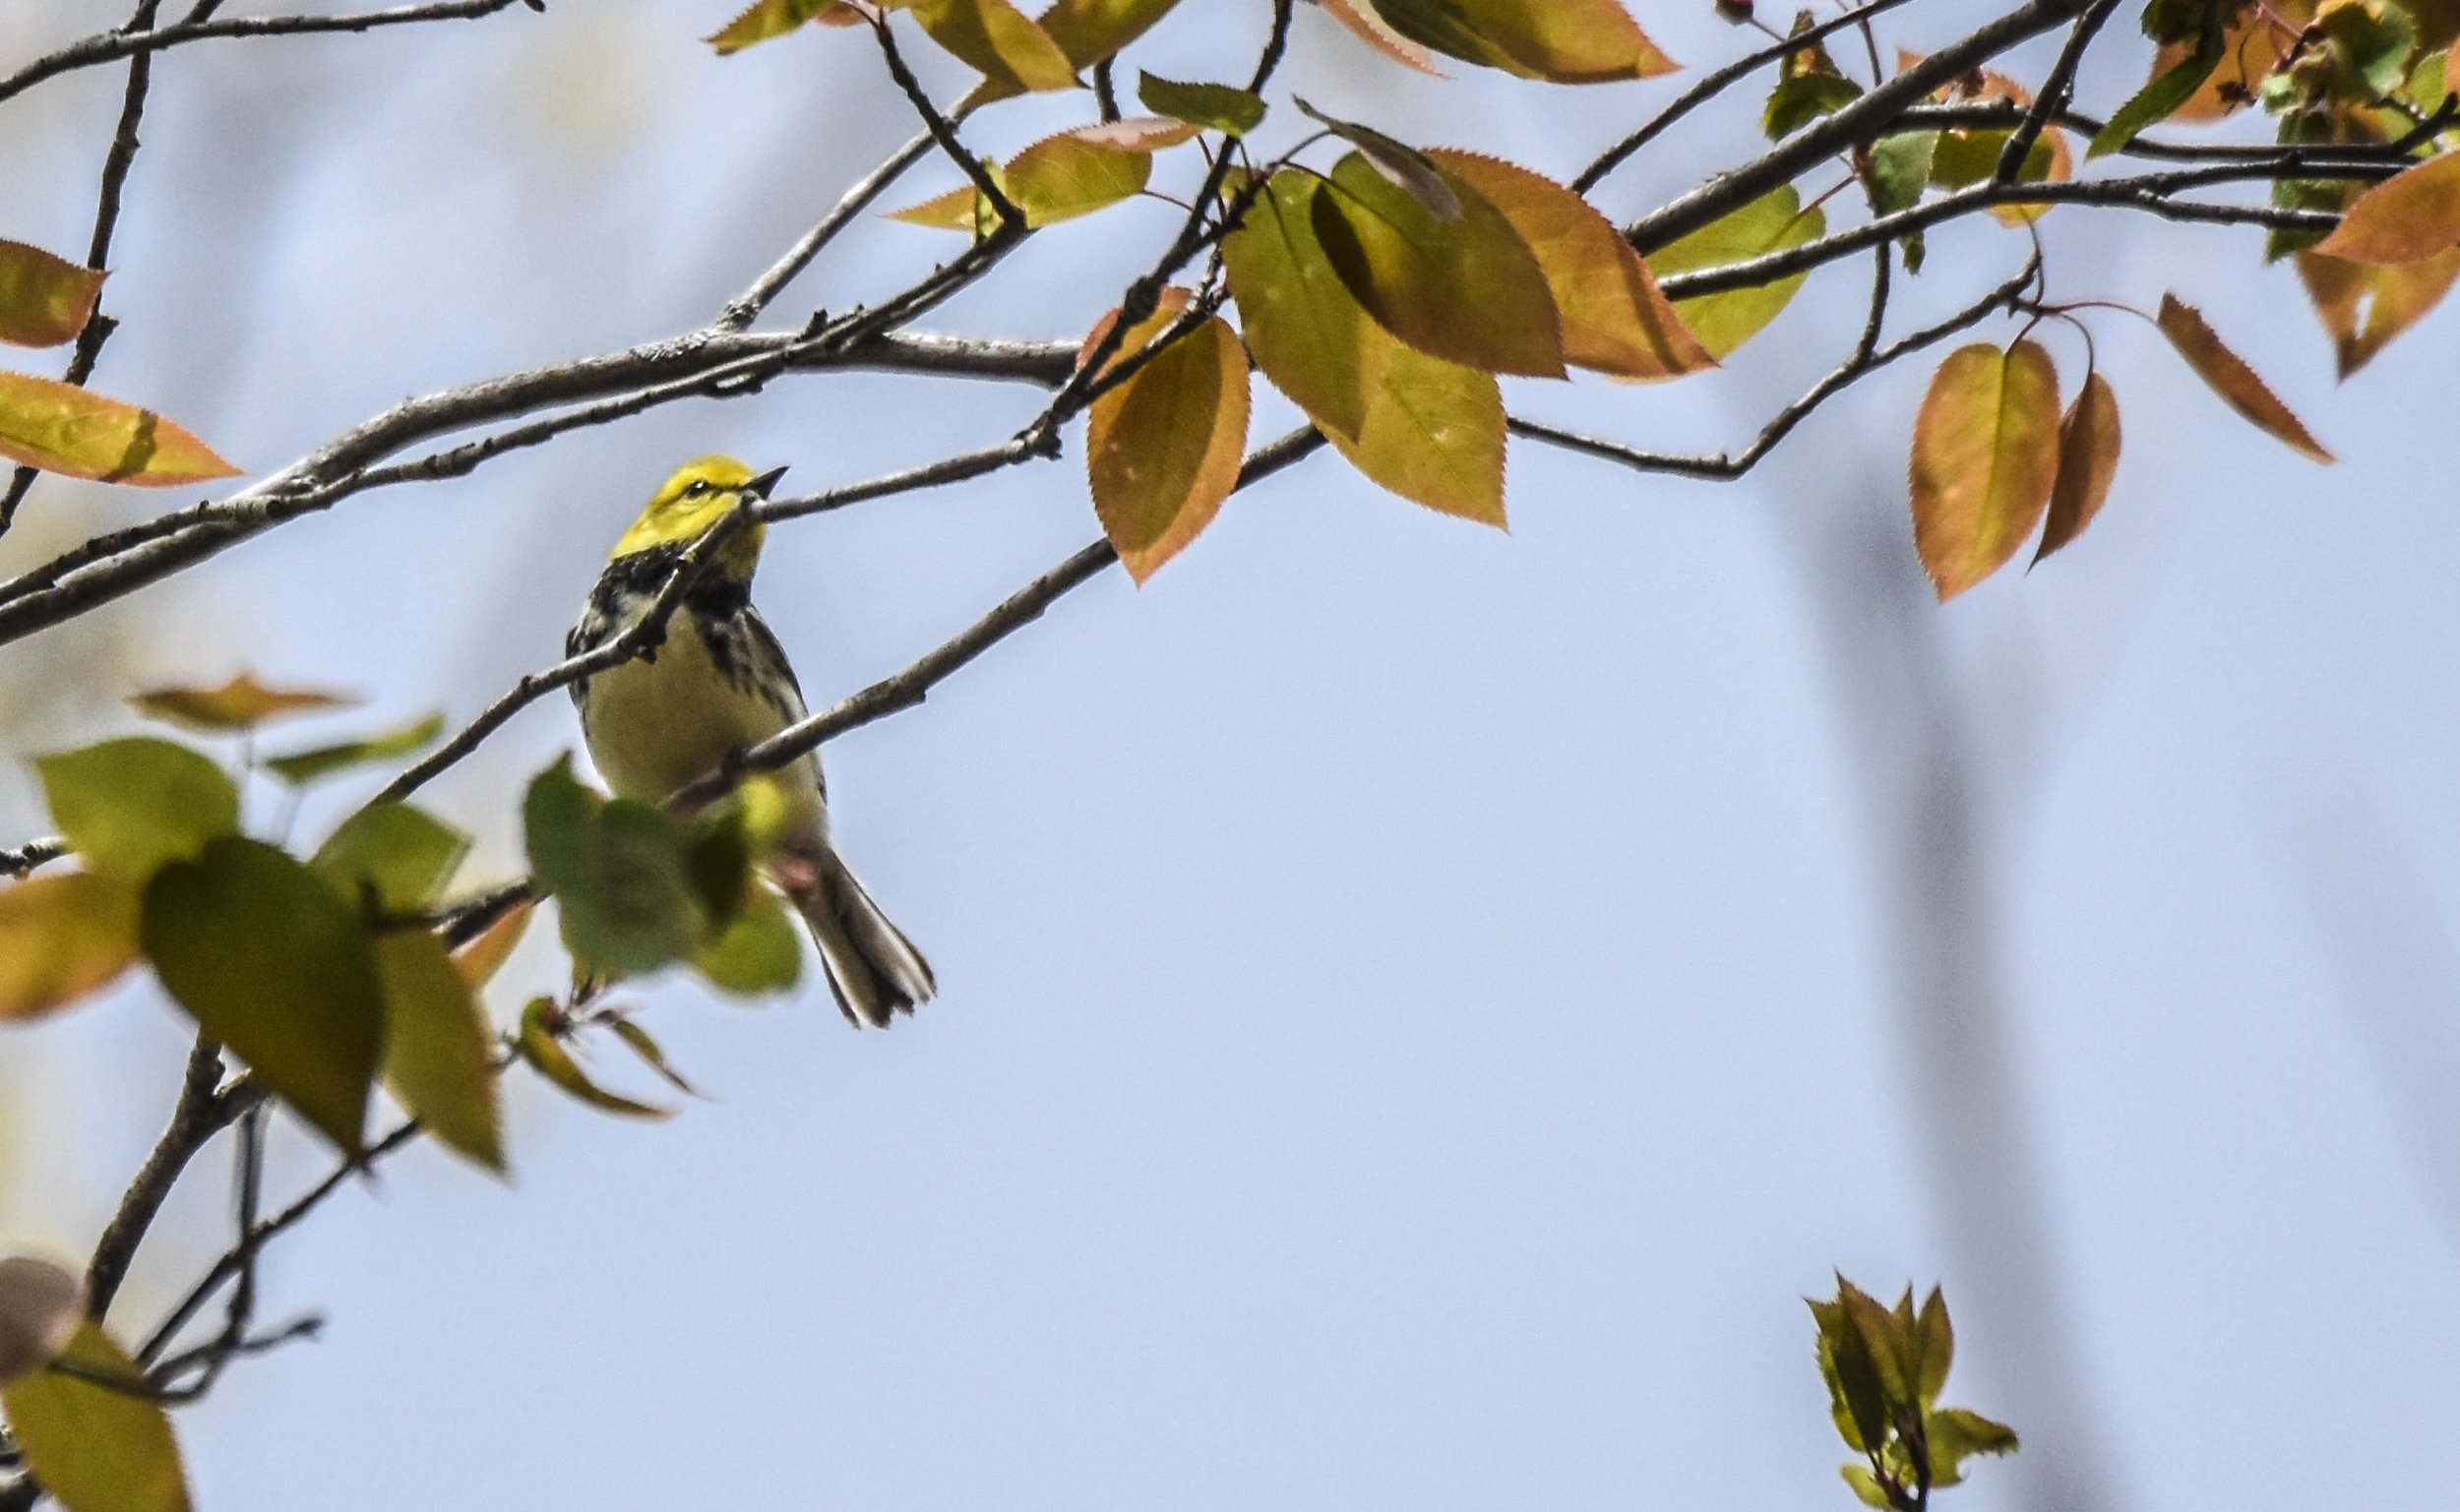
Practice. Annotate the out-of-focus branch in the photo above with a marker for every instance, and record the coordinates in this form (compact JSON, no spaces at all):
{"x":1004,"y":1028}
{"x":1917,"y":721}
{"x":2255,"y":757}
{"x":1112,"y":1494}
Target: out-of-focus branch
{"x":22,"y":861}
{"x":196,"y":1117}
{"x":111,"y":46}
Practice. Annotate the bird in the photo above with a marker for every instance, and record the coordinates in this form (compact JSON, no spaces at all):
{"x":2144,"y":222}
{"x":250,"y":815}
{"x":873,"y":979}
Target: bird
{"x":714,"y":684}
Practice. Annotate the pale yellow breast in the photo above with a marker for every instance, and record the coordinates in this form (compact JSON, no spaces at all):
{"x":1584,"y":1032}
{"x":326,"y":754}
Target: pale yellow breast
{"x":653,"y":726}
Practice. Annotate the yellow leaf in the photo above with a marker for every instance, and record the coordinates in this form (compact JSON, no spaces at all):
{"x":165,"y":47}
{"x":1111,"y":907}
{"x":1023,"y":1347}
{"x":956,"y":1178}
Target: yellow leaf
{"x":1371,"y":28}
{"x":1310,"y":338}
{"x":1162,"y":449}
{"x":1057,"y":178}
{"x":242,"y":703}
{"x":94,"y":1448}
{"x":62,"y":937}
{"x":485,"y":954}
{"x":2365,"y":308}
{"x":1466,"y":289}
{"x":69,"y":431}
{"x":1613,"y":319}
{"x":547,"y":1055}
{"x":2088,"y":458}
{"x":1565,"y":41}
{"x":439,"y":1053}
{"x":996,"y":41}
{"x":44,"y":300}
{"x":2232,"y":379}
{"x":1089,"y":31}
{"x":1433,"y":433}
{"x":1985,"y":459}
{"x":1774,"y":221}
{"x":2412,"y":215}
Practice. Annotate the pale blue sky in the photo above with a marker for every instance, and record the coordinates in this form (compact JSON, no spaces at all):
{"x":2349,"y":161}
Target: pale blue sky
{"x":1421,"y":1005}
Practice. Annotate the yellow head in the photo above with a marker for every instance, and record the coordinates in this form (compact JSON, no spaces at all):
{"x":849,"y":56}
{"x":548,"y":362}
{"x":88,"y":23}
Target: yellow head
{"x":695,"y":498}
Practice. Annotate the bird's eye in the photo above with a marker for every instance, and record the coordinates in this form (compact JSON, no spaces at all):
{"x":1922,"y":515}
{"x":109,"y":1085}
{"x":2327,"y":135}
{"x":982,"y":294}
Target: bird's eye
{"x":696,"y":488}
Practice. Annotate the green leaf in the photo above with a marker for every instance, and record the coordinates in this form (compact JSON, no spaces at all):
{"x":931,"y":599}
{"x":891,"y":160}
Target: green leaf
{"x":1801,"y":98}
{"x":996,"y":41}
{"x":62,"y":937}
{"x":760,"y":950}
{"x":1089,"y":31}
{"x":1889,"y":1347}
{"x":93,"y":1448}
{"x":1213,"y":106}
{"x":1956,"y":1436}
{"x":1433,"y":434}
{"x":42,"y":1307}
{"x":302,"y":768}
{"x":1933,"y":1344}
{"x":1867,"y":1487}
{"x":404,"y":854}
{"x":1899,"y":170}
{"x":272,"y":963}
{"x":2371,"y":45}
{"x":1162,"y":449}
{"x":1856,"y":1400}
{"x":242,"y":703}
{"x":1774,"y":221}
{"x":80,"y":434}
{"x":44,"y":300}
{"x":639,"y":1041}
{"x":2169,"y":89}
{"x":1309,"y":337}
{"x":439,"y":1053}
{"x":620,"y":872}
{"x":1468,"y":290}
{"x":128,"y":806}
{"x":539,"y":1046}
{"x":1410,"y":170}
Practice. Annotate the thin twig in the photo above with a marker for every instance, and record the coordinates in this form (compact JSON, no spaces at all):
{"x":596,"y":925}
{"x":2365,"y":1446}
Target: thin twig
{"x":22,"y":861}
{"x":196,"y":1117}
{"x":940,"y":128}
{"x":2056,"y":90}
{"x":747,"y":306}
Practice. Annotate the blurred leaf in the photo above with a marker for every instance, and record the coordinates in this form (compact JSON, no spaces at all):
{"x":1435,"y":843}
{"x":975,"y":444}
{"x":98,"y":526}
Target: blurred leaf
{"x":479,"y":960}
{"x":639,"y":1042}
{"x":1162,"y":449}
{"x":763,"y":19}
{"x":1866,"y":1486}
{"x":1801,"y":98}
{"x":305,"y":766}
{"x":1934,"y":1336}
{"x":1089,"y":31}
{"x":1307,"y":332}
{"x":1889,"y":1340}
{"x":1564,"y":41}
{"x":2409,"y":218}
{"x":273,"y":964}
{"x":1956,"y":1436}
{"x":1985,"y":460}
{"x":2230,"y":378}
{"x":1213,"y":106}
{"x":41,"y":1305}
{"x":1774,"y":221}
{"x":1409,"y":170}
{"x":93,"y":1448}
{"x":1899,"y":170}
{"x":2088,"y":459}
{"x":2365,"y":308}
{"x":1856,"y":1400}
{"x":129,"y":805}
{"x":44,"y":300}
{"x":439,"y":1051}
{"x":405,"y":855}
{"x":962,"y":209}
{"x":2169,"y":89}
{"x":2368,"y":44}
{"x":1434,"y":433}
{"x":620,"y":873}
{"x":1468,"y":290}
{"x":760,"y":950}
{"x":79,"y":434}
{"x":998,"y":42}
{"x":1371,"y":29}
{"x":62,"y":937}
{"x":242,"y":703}
{"x":540,"y":1048}
{"x":1613,"y":319}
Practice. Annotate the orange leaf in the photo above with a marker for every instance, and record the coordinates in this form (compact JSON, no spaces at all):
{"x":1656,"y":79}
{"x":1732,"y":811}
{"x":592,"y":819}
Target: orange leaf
{"x":242,"y":703}
{"x":61,"y":938}
{"x":2255,"y":42}
{"x":1985,"y":459}
{"x":487,"y":950}
{"x":81,"y":435}
{"x":44,"y":300}
{"x":996,"y":41}
{"x":2088,"y":458}
{"x":1369,"y":28}
{"x":1467,"y":290}
{"x":2365,"y":307}
{"x":1310,"y":338}
{"x":2412,"y":215}
{"x":1162,"y":449}
{"x":1613,"y":319}
{"x":2232,"y":379}
{"x":1433,"y":432}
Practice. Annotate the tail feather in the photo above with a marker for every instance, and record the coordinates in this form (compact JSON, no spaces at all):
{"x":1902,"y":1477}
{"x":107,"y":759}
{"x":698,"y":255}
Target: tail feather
{"x":873,"y":971}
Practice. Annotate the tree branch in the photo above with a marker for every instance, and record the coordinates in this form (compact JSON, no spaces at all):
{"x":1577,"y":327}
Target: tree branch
{"x":22,"y":861}
{"x":196,"y":1117}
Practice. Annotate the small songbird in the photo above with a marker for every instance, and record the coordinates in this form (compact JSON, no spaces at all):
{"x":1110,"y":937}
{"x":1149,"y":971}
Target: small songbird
{"x":716,"y":683}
